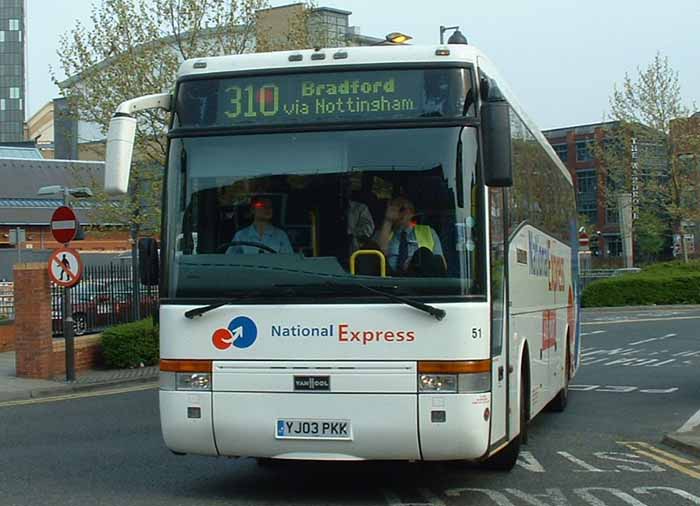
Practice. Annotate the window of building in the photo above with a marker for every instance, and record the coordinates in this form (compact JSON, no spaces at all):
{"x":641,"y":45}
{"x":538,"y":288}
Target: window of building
{"x":14,"y":25}
{"x":14,"y":92}
{"x":584,"y":151}
{"x":2,"y":36}
{"x":587,"y":182}
{"x":611,"y":214}
{"x":3,"y":104}
{"x":589,"y":209}
{"x":613,"y":245}
{"x":562,"y":151}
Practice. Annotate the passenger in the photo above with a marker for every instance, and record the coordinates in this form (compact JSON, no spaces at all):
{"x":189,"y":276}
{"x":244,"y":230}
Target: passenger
{"x":360,"y":224}
{"x":261,"y":231}
{"x":410,"y":249}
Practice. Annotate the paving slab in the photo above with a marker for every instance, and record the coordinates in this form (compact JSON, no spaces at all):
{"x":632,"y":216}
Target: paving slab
{"x":13,"y":388}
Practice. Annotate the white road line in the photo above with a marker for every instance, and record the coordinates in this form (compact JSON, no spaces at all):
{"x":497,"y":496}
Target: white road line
{"x":639,"y":320}
{"x":691,"y":423}
{"x":593,"y":333}
{"x":661,"y":338}
{"x":664,"y":362}
{"x":642,"y":342}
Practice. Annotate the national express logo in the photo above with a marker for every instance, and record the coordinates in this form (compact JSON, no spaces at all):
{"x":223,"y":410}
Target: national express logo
{"x":241,"y":333}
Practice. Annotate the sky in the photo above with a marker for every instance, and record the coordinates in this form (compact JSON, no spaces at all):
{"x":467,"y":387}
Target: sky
{"x":562,"y":58}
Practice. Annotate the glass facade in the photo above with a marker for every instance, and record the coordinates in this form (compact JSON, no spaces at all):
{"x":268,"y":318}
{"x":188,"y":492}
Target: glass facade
{"x":12,"y":87}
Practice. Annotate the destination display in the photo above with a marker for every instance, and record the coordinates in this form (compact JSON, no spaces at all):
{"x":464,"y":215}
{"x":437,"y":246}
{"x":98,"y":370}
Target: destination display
{"x":336,"y":97}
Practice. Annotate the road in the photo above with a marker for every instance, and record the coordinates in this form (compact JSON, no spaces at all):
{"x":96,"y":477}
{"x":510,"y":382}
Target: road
{"x":638,"y":381}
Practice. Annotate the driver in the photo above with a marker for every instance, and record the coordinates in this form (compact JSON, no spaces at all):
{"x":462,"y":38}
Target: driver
{"x":261,"y":231}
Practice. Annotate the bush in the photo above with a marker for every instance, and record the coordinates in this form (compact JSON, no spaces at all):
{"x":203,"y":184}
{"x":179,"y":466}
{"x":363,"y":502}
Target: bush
{"x":665,"y":283}
{"x":130,"y":345}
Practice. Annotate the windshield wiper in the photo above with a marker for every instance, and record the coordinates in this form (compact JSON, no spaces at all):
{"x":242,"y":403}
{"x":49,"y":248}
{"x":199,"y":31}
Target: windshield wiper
{"x":433,"y":311}
{"x":199,"y":311}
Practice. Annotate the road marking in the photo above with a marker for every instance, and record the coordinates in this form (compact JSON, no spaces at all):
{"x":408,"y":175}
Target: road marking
{"x":685,"y":495}
{"x":662,"y":338}
{"x":641,"y":320}
{"x":666,"y":454}
{"x":68,"y":397}
{"x":664,"y":457}
{"x":593,"y":333}
{"x":587,"y":468}
{"x":691,"y":423}
{"x":622,"y":389}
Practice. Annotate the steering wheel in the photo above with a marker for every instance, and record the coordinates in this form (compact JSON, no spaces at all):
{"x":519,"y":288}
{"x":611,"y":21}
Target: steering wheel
{"x":259,"y":245}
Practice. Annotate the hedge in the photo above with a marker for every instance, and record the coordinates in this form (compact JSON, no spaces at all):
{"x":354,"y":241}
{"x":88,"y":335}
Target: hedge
{"x":653,"y":286}
{"x":130,"y":345}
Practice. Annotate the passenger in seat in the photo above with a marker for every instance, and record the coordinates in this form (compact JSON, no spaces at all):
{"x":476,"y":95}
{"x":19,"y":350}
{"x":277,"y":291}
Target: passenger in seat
{"x":360,"y":224}
{"x":410,"y":249}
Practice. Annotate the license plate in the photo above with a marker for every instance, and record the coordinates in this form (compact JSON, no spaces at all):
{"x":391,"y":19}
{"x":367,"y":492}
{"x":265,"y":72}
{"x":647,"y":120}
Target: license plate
{"x":300,"y":428}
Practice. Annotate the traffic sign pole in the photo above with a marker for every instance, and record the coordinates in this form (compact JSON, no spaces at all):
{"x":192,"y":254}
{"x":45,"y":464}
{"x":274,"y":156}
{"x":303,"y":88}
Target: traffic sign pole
{"x":64,"y":225}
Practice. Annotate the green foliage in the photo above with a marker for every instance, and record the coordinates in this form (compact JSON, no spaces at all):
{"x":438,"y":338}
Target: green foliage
{"x":130,"y":345}
{"x":131,"y":49}
{"x":651,"y":233}
{"x":663,"y":283}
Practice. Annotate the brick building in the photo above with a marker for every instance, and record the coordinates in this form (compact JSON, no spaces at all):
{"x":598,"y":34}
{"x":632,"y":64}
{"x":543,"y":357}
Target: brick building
{"x":575,"y":146}
{"x":20,"y":206}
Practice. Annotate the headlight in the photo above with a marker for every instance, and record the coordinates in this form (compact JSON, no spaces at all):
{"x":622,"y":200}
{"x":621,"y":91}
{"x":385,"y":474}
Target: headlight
{"x":193,"y":381}
{"x":437,"y":383}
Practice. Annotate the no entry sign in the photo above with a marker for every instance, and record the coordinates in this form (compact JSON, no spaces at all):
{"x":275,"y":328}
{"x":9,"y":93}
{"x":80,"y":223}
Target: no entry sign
{"x":65,"y":267}
{"x":64,"y":224}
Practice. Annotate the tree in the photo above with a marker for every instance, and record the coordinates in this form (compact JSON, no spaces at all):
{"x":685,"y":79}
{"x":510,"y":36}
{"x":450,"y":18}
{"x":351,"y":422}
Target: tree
{"x":134,"y":48}
{"x":638,"y":152}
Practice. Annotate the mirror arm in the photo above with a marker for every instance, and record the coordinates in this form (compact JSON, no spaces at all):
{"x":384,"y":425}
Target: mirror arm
{"x":120,"y":139}
{"x":157,"y":101}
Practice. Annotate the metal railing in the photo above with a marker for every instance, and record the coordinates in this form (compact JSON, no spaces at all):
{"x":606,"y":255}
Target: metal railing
{"x":7,"y":301}
{"x":104,"y":297}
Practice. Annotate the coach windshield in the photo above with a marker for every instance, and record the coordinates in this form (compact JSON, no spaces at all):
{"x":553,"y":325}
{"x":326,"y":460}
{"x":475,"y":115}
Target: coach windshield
{"x":255,"y":215}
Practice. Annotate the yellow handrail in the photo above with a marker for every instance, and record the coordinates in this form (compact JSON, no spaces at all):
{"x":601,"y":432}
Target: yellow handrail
{"x":373,"y":252}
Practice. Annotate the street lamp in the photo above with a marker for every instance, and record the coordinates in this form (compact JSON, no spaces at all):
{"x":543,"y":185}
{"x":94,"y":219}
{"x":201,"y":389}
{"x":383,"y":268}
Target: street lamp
{"x":393,"y":38}
{"x":78,"y":193}
{"x":397,"y":38}
{"x":456,"y":38}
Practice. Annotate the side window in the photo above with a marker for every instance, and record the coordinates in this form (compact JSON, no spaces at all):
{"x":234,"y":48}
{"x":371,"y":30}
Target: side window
{"x":541,"y":194}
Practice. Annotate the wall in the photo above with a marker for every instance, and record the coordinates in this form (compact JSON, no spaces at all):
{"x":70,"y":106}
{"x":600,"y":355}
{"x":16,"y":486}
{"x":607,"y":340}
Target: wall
{"x":7,"y":336}
{"x":88,"y":354}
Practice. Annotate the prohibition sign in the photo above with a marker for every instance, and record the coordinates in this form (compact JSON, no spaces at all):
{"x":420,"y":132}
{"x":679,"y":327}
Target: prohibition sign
{"x":64,"y":224}
{"x":65,"y":267}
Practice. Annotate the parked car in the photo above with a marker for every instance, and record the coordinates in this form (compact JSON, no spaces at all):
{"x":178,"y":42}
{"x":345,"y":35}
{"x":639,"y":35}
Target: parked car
{"x":97,"y":304}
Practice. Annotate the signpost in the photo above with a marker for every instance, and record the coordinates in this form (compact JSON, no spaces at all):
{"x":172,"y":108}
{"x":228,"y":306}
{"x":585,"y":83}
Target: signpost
{"x":17,"y":237}
{"x":66,"y":269}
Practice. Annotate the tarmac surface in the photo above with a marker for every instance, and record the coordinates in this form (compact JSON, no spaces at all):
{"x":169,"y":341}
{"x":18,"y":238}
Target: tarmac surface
{"x":626,"y":438}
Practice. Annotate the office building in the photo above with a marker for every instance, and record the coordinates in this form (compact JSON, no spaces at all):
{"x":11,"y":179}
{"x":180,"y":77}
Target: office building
{"x":12,"y":70}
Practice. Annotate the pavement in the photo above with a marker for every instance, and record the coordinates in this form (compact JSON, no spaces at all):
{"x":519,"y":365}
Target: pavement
{"x":13,"y":388}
